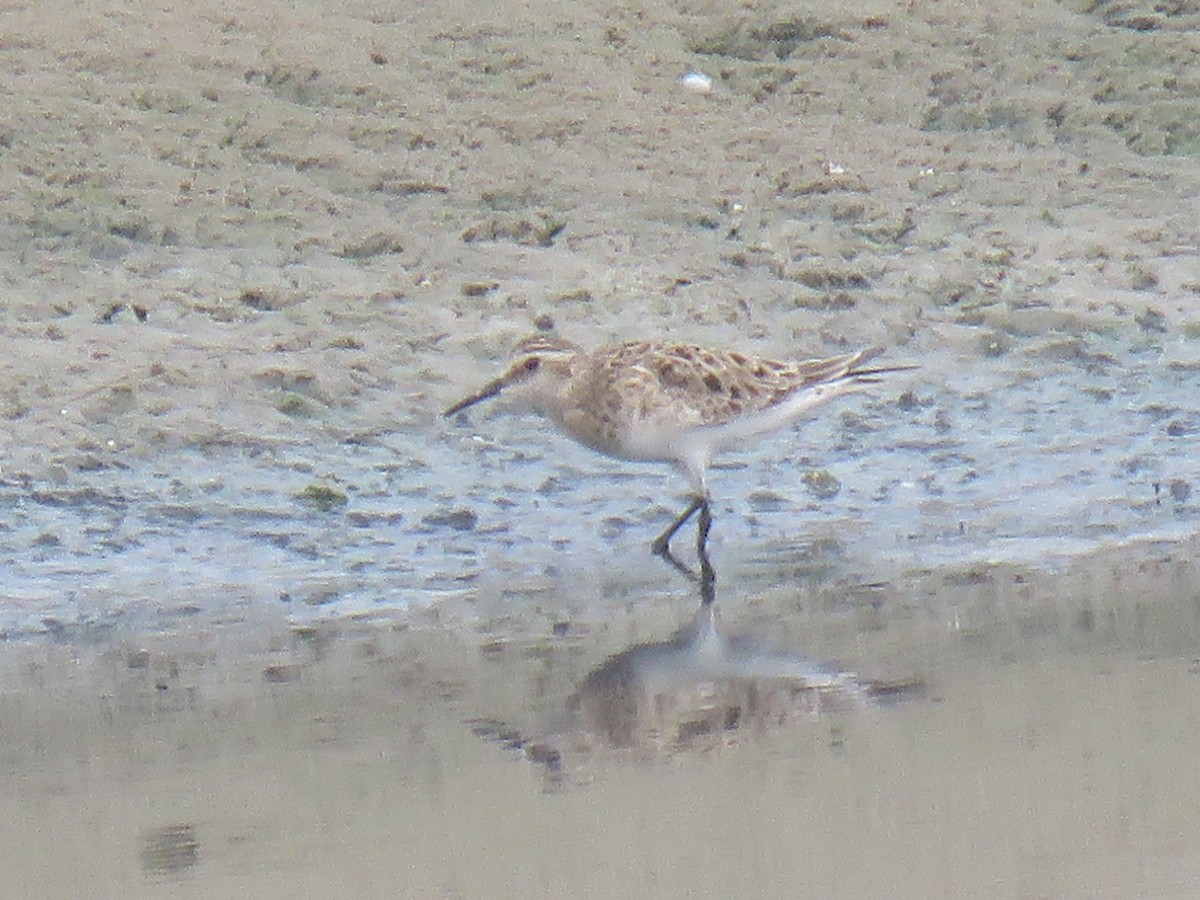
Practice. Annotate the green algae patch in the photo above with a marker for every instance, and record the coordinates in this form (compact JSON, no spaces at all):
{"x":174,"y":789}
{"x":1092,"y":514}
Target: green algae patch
{"x":322,"y":497}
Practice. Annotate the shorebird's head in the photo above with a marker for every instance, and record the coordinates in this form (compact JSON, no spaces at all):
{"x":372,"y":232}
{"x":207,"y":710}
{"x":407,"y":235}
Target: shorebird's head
{"x":539,"y":362}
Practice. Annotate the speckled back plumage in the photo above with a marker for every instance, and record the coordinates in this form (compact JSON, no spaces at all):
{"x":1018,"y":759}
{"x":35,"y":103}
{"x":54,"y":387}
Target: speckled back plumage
{"x":680,"y":386}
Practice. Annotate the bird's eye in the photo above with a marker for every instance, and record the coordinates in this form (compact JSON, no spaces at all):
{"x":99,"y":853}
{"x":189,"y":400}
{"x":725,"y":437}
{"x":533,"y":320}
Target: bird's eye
{"x":531,"y":364}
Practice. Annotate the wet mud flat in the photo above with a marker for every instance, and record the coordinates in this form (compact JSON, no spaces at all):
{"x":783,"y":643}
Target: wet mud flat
{"x":995,"y":730}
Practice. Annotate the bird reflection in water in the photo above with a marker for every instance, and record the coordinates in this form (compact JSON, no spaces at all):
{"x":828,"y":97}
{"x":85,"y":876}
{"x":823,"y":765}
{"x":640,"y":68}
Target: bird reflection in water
{"x":692,"y":692}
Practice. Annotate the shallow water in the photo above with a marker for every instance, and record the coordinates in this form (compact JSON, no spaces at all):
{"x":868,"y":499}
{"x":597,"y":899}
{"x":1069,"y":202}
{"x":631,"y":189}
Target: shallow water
{"x":1008,"y":733}
{"x":1066,"y":458}
{"x":969,"y":673}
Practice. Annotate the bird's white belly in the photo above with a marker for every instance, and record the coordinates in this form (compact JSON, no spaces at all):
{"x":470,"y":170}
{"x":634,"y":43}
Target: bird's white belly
{"x":650,"y":442}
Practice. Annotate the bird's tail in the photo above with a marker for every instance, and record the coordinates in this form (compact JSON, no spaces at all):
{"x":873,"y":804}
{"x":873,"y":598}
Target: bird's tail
{"x":848,"y":368}
{"x":872,"y":374}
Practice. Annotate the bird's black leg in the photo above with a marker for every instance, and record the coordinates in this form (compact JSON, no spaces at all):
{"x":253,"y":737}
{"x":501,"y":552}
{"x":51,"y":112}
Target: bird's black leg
{"x":708,"y":575}
{"x":707,"y":578}
{"x":662,"y":543}
{"x":703,"y":528}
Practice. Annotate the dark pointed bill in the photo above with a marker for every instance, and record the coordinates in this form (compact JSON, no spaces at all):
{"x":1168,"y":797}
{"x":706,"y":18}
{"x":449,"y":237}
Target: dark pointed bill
{"x":491,"y":389}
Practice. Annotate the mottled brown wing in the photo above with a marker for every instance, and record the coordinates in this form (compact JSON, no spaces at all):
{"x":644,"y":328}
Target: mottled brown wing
{"x":696,"y":385}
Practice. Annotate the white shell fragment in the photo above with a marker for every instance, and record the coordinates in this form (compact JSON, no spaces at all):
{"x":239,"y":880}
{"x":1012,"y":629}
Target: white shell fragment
{"x":697,"y":82}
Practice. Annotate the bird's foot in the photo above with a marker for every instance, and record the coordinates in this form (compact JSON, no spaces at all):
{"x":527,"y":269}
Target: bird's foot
{"x":662,"y":544}
{"x":706,"y":579}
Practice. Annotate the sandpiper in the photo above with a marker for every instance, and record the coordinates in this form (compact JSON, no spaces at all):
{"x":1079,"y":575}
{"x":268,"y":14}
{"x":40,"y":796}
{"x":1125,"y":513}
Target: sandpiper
{"x":667,"y":402}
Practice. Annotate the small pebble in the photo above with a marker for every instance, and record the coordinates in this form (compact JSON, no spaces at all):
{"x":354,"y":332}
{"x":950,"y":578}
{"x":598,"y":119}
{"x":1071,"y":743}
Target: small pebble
{"x":456,"y":518}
